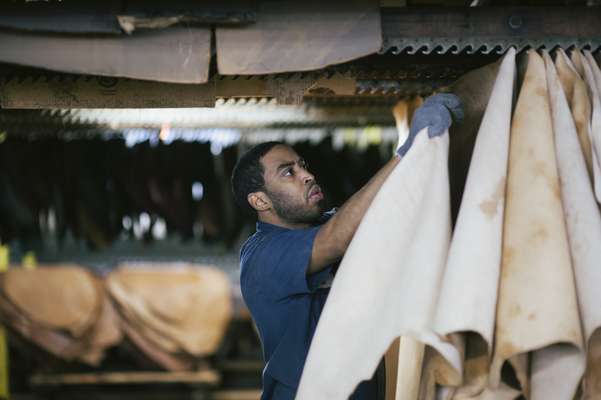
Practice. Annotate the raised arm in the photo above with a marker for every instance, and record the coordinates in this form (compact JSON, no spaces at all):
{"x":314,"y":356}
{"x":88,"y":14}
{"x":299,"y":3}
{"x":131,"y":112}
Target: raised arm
{"x":334,"y":236}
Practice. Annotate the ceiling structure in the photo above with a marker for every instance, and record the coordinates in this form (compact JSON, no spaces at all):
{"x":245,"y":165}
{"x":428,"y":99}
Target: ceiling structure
{"x":345,"y":59}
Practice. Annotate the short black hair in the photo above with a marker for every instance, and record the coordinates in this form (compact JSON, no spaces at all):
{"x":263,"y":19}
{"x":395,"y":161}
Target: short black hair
{"x":247,"y":176}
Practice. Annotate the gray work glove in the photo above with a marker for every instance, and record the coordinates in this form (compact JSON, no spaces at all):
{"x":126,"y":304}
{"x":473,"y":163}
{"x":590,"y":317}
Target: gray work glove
{"x":437,"y":113}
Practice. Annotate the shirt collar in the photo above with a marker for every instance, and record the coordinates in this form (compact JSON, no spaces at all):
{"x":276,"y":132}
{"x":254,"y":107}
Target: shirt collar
{"x":266,"y":227}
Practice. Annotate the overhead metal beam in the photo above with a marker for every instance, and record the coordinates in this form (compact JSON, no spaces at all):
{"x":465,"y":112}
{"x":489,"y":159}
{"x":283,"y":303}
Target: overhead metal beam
{"x":485,"y":30}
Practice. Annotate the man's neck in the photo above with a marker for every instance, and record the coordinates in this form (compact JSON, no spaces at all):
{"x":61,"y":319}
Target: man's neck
{"x":276,"y":220}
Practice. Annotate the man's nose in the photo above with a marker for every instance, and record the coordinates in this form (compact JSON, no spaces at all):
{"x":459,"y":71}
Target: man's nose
{"x":307,"y":177}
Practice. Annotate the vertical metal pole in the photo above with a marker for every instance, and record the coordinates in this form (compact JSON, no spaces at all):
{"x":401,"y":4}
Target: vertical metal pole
{"x":4,"y":389}
{"x":29,"y":260}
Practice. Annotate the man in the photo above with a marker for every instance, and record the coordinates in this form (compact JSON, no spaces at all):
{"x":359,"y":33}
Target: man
{"x":287,"y":265}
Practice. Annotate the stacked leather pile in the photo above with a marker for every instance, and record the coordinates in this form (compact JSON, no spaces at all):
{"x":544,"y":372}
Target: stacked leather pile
{"x":62,"y":309}
{"x":175,"y":315}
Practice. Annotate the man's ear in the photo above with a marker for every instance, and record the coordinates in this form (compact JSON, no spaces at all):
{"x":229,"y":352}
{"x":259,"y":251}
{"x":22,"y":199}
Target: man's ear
{"x":259,"y":201}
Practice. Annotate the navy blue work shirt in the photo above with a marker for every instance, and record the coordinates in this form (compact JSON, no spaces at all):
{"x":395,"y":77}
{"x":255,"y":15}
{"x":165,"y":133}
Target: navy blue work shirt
{"x":286,"y":304}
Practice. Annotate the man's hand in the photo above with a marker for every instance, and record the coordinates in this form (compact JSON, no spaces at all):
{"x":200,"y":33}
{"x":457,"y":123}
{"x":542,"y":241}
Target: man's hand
{"x":437,"y":114}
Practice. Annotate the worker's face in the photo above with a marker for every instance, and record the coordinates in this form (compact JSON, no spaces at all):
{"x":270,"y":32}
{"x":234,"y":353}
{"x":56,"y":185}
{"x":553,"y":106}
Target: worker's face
{"x":294,"y":194}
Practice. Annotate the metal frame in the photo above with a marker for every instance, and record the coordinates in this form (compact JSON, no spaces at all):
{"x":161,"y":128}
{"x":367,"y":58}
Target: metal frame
{"x":423,"y":49}
{"x":485,"y":30}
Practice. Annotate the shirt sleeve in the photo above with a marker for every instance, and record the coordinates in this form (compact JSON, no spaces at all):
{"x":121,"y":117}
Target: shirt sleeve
{"x":282,"y":260}
{"x":325,"y":217}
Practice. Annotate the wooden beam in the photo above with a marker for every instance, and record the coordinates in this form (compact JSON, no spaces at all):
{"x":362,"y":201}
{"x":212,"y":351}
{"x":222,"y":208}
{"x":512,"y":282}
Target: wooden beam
{"x":102,"y":92}
{"x":205,"y":377}
{"x":231,"y":12}
{"x":4,"y":356}
{"x":393,"y":3}
{"x":116,"y":17}
{"x":240,"y":394}
{"x":242,"y":366}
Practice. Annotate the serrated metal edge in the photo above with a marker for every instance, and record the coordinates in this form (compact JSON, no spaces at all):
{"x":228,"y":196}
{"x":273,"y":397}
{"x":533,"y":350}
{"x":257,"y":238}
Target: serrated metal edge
{"x":486,"y":46}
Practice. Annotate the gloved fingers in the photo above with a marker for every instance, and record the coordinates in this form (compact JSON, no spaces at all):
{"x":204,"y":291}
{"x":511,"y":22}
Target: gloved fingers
{"x":451,"y":102}
{"x":402,"y":150}
{"x":441,"y":121}
{"x":448,"y":100}
{"x":435,"y":116}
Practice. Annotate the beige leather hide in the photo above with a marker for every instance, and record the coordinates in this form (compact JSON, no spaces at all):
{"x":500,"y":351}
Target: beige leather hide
{"x":592,"y":76}
{"x":468,"y":295}
{"x":576,"y":94}
{"x":185,"y":308}
{"x":88,"y":347}
{"x":393,"y":265}
{"x":537,"y":308}
{"x":60,"y":297}
{"x":176,"y":54}
{"x":299,"y":36}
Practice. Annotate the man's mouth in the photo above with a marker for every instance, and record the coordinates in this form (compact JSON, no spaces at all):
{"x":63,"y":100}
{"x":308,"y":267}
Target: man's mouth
{"x":315,"y":194}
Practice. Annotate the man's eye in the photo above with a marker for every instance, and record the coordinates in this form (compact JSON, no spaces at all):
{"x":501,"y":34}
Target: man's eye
{"x":288,"y":172}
